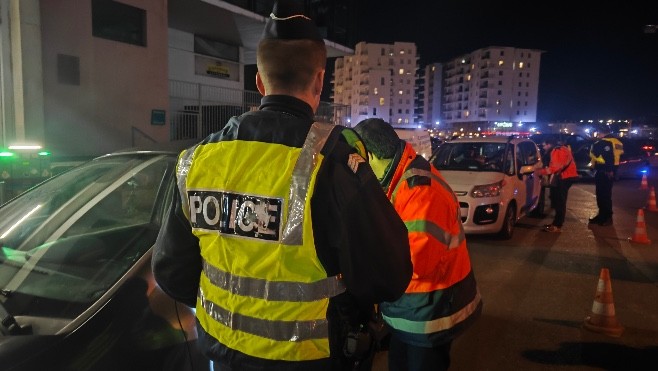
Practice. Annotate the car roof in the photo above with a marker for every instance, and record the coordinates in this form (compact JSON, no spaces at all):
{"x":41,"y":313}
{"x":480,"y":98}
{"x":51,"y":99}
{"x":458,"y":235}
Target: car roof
{"x":490,"y":139}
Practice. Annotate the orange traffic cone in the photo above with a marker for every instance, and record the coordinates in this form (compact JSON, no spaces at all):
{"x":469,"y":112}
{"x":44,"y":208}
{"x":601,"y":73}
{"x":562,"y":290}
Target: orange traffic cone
{"x":644,"y":184}
{"x":640,"y":235}
{"x":651,"y":205}
{"x":602,"y":319}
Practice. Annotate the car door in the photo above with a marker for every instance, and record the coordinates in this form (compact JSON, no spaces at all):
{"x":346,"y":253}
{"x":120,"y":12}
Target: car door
{"x":529,"y":188}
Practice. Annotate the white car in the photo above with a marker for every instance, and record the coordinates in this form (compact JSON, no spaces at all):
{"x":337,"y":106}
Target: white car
{"x":495,"y":179}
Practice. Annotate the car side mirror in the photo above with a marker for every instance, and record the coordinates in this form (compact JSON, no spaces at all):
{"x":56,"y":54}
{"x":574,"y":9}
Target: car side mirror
{"x":526,"y":170}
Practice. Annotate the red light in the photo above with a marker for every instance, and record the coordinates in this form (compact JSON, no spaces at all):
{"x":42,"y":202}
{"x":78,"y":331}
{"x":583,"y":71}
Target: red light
{"x":647,"y":148}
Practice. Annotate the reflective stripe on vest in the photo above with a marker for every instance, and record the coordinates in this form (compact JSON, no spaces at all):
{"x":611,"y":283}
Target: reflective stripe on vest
{"x":436,"y":325}
{"x":263,"y":291}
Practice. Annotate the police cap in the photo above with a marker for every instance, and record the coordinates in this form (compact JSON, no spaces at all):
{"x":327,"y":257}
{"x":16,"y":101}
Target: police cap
{"x":288,"y":21}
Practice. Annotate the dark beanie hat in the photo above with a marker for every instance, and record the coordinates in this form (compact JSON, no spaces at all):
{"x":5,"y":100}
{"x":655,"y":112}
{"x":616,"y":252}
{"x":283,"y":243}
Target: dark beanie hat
{"x":288,"y":21}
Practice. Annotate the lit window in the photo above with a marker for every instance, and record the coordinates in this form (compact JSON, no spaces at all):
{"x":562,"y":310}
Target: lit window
{"x":401,"y":51}
{"x":400,"y":92}
{"x":468,"y":77}
{"x":400,"y":120}
{"x":376,"y":91}
{"x":520,"y":64}
{"x":500,"y":62}
{"x":381,"y":101}
{"x":401,"y":72}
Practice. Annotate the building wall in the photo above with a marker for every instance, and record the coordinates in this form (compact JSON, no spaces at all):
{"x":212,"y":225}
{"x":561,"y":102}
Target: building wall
{"x":378,"y":81}
{"x":491,"y":85}
{"x":119,"y":83}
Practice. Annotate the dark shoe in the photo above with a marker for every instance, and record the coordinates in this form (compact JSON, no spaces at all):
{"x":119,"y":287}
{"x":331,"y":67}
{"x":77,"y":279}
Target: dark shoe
{"x":605,"y":222}
{"x":552,"y":228}
{"x":595,"y":220}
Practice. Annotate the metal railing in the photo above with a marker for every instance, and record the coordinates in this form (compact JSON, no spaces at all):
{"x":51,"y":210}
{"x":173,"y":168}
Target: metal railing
{"x":198,"y":110}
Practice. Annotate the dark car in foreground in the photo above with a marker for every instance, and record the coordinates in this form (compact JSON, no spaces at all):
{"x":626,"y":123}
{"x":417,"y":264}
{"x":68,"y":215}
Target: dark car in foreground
{"x":77,"y":291}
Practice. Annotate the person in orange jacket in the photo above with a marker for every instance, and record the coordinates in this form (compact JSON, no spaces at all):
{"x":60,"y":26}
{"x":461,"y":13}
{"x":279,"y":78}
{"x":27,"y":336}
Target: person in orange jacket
{"x":562,"y":164}
{"x":442,"y":299}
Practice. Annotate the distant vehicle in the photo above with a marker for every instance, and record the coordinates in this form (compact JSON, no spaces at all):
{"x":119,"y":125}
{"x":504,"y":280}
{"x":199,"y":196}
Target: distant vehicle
{"x":419,"y":139}
{"x":635,"y":161}
{"x":579,"y":145}
{"x":494,"y":180}
{"x":77,"y":291}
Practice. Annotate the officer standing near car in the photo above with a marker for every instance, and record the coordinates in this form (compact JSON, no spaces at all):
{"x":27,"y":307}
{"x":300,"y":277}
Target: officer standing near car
{"x":605,"y":164}
{"x":281,"y":236}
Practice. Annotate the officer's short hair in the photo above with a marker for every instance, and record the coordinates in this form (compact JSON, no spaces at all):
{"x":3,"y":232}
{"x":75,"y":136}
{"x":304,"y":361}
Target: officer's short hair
{"x":291,"y":49}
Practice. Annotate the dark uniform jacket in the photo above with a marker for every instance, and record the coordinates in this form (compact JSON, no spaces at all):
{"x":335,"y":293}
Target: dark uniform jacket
{"x":603,"y":148}
{"x":357,"y":232}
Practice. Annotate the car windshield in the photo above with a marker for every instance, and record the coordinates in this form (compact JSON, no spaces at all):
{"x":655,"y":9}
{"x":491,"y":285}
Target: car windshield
{"x":67,"y":241}
{"x":474,"y":156}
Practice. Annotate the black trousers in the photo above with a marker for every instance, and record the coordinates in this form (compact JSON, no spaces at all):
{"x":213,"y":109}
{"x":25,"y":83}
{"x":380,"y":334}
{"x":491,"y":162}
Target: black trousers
{"x":603,"y":185}
{"x":405,"y":357}
{"x":558,"y":197}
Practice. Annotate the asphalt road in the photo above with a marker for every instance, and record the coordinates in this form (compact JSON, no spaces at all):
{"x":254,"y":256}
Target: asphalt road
{"x":538,"y":287}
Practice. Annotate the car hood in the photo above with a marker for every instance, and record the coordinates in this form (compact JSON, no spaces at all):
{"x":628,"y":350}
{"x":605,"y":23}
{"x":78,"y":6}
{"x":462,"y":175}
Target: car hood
{"x":464,"y":181}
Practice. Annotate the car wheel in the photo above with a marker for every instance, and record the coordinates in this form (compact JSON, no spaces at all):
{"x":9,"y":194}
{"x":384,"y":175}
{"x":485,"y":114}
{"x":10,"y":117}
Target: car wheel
{"x":508,"y":223}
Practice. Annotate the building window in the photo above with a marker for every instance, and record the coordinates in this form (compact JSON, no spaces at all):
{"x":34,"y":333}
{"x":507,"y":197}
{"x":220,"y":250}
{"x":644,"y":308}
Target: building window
{"x":401,"y":71}
{"x":374,"y":111}
{"x":118,"y":22}
{"x":500,"y":92}
{"x":500,"y":82}
{"x":500,"y":62}
{"x":500,"y":73}
{"x":376,"y":91}
{"x":381,"y":101}
{"x":382,"y":81}
{"x":400,"y":92}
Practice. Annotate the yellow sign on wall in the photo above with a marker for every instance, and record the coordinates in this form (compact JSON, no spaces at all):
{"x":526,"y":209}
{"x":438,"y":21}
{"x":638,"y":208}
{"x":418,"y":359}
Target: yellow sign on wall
{"x":217,"y":68}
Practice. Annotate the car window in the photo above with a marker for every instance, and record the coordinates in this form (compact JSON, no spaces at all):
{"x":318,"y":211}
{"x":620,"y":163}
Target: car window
{"x":70,"y":239}
{"x":471,"y":156}
{"x":526,"y":154}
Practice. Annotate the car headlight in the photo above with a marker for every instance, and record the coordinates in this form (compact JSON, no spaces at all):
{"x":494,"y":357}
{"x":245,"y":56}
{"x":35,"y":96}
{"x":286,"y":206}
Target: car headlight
{"x":487,"y":190}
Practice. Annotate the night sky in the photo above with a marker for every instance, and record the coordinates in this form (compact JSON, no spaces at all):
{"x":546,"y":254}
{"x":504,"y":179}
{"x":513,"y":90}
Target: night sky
{"x":598,"y":62}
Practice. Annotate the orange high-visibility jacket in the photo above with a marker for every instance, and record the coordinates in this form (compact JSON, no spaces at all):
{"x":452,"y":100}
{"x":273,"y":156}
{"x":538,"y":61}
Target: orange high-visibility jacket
{"x":442,"y":298}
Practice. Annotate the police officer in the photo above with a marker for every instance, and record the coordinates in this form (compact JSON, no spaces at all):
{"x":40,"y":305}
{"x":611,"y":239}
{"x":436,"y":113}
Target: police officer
{"x":604,"y":155}
{"x":281,"y":237}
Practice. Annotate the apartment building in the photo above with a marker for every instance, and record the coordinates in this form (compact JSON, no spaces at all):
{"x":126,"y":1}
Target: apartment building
{"x":491,"y":89}
{"x":378,"y":80}
{"x":430,"y":90}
